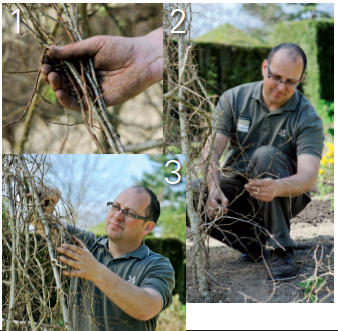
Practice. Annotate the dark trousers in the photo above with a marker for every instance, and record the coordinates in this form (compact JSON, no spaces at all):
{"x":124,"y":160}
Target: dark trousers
{"x":251,"y":224}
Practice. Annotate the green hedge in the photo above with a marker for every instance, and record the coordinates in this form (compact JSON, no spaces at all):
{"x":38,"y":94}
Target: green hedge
{"x":316,"y":39}
{"x":224,"y":66}
{"x":175,"y":251}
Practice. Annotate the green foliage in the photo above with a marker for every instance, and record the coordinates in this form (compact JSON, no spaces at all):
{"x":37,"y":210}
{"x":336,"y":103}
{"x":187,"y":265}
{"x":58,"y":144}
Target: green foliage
{"x":325,"y":58}
{"x":175,"y":251}
{"x":227,"y":34}
{"x":172,"y":222}
{"x":225,"y":66}
{"x":306,"y":11}
{"x":155,"y":179}
{"x":50,"y":96}
{"x":173,"y":318}
{"x":310,"y":285}
{"x":326,"y":111}
{"x":99,"y":229}
{"x":316,"y":39}
{"x":323,"y":189}
{"x":268,"y":13}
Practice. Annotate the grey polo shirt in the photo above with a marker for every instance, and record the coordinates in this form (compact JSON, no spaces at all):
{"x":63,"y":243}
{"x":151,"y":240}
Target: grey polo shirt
{"x":91,"y":309}
{"x":248,"y":124}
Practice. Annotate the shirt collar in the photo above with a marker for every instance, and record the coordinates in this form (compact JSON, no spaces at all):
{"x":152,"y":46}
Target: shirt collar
{"x":140,"y":253}
{"x":289,"y":106}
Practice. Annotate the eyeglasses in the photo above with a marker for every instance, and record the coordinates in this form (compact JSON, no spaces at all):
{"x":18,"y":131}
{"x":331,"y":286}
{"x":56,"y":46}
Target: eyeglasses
{"x":127,"y":213}
{"x":290,"y":85}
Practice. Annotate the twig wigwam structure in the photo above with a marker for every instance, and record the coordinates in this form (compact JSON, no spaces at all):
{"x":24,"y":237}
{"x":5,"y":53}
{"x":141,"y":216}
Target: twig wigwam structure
{"x":36,"y":295}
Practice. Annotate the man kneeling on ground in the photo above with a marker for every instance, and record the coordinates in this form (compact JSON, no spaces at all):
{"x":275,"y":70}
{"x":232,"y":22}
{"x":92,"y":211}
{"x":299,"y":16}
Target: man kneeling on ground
{"x":275,"y":146}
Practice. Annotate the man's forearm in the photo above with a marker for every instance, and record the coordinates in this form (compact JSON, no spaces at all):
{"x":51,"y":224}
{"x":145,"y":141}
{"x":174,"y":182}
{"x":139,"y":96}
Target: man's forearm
{"x":213,"y":177}
{"x":133,"y":300}
{"x":294,"y":185}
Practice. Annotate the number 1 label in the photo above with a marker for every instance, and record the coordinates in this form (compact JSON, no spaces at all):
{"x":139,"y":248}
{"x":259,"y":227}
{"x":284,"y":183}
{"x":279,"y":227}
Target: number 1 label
{"x":17,"y":20}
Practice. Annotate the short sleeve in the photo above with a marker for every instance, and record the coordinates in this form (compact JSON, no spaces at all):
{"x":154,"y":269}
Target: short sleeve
{"x":87,"y":237}
{"x":160,"y":276}
{"x":226,"y":122}
{"x":310,"y":138}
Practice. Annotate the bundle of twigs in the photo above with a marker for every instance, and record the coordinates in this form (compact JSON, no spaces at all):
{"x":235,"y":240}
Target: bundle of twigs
{"x":35,"y":294}
{"x":81,"y":74}
{"x":29,"y":286}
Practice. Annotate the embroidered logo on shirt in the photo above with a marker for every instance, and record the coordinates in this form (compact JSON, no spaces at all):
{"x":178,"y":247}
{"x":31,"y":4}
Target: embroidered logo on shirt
{"x":131,"y":280}
{"x":282,"y":133}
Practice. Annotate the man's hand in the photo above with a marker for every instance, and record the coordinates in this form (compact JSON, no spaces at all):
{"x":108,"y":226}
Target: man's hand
{"x":49,"y":194}
{"x":81,"y":259}
{"x":262,"y":189}
{"x":216,"y":203}
{"x":117,"y":60}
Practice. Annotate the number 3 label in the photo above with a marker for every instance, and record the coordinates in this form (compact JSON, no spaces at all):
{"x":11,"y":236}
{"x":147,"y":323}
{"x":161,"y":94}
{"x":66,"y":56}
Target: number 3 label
{"x":174,"y":172}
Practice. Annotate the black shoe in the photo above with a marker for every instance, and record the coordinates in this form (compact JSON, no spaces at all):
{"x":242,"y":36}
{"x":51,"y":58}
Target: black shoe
{"x":282,"y":263}
{"x":251,"y":257}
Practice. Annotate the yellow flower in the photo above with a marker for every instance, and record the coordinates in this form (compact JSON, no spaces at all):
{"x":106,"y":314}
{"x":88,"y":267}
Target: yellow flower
{"x":331,"y":161}
{"x":321,"y":171}
{"x":331,"y":147}
{"x":324,"y":160}
{"x":329,"y":154}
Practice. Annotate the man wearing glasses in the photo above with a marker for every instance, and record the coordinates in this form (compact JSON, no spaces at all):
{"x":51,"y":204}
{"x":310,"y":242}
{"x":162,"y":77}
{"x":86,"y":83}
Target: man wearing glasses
{"x":129,"y":285}
{"x":275,"y":145}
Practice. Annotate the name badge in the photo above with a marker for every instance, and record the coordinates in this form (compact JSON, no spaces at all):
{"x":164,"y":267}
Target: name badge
{"x":243,"y":124}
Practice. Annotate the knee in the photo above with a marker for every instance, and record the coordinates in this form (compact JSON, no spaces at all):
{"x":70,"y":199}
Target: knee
{"x":268,"y":159}
{"x":264,"y":155}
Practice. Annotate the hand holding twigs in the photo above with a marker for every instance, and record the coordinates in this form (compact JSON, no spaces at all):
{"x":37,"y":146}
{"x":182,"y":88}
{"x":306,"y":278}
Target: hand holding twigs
{"x":262,"y":189}
{"x":48,"y":195}
{"x":116,"y":61}
{"x":81,"y":259}
{"x":216,"y":203}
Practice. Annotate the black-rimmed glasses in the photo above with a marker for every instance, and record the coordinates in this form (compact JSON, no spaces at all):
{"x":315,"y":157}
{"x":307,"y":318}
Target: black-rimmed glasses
{"x":278,"y":80}
{"x":127,"y":213}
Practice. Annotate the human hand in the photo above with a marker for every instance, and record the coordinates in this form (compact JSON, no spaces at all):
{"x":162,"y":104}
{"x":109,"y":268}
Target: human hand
{"x":81,"y":259}
{"x":117,"y":60}
{"x":262,"y":189}
{"x":49,"y":194}
{"x":216,"y":203}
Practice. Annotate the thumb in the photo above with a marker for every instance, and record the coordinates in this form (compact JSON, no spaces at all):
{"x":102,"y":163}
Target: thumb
{"x":80,"y":243}
{"x":83,"y":49}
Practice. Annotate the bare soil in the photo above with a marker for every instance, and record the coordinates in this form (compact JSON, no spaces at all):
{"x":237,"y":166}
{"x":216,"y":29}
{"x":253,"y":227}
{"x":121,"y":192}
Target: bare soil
{"x":235,"y":281}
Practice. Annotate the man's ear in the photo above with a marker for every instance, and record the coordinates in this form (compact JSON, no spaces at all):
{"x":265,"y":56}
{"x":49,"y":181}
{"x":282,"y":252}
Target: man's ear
{"x":150,"y":225}
{"x":264,"y":66}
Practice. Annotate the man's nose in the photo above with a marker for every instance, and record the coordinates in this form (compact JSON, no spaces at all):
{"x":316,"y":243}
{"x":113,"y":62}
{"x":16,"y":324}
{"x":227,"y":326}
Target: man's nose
{"x":119,"y":214}
{"x":281,"y":86}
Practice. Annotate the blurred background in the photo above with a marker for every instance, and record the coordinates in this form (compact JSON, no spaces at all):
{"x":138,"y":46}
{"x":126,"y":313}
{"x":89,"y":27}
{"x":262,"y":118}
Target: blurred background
{"x":90,"y":181}
{"x":137,"y":121}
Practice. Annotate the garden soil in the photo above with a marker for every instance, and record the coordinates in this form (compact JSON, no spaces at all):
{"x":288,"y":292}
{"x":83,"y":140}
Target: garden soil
{"x":235,"y":281}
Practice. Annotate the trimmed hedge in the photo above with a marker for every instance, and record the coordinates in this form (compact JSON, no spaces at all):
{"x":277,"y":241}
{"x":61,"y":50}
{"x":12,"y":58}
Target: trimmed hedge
{"x":316,"y":38}
{"x":224,"y":66}
{"x":175,"y":251}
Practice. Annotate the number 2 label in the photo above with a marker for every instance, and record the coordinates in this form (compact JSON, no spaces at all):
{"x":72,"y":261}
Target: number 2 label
{"x":174,"y":172}
{"x":179,"y":22}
